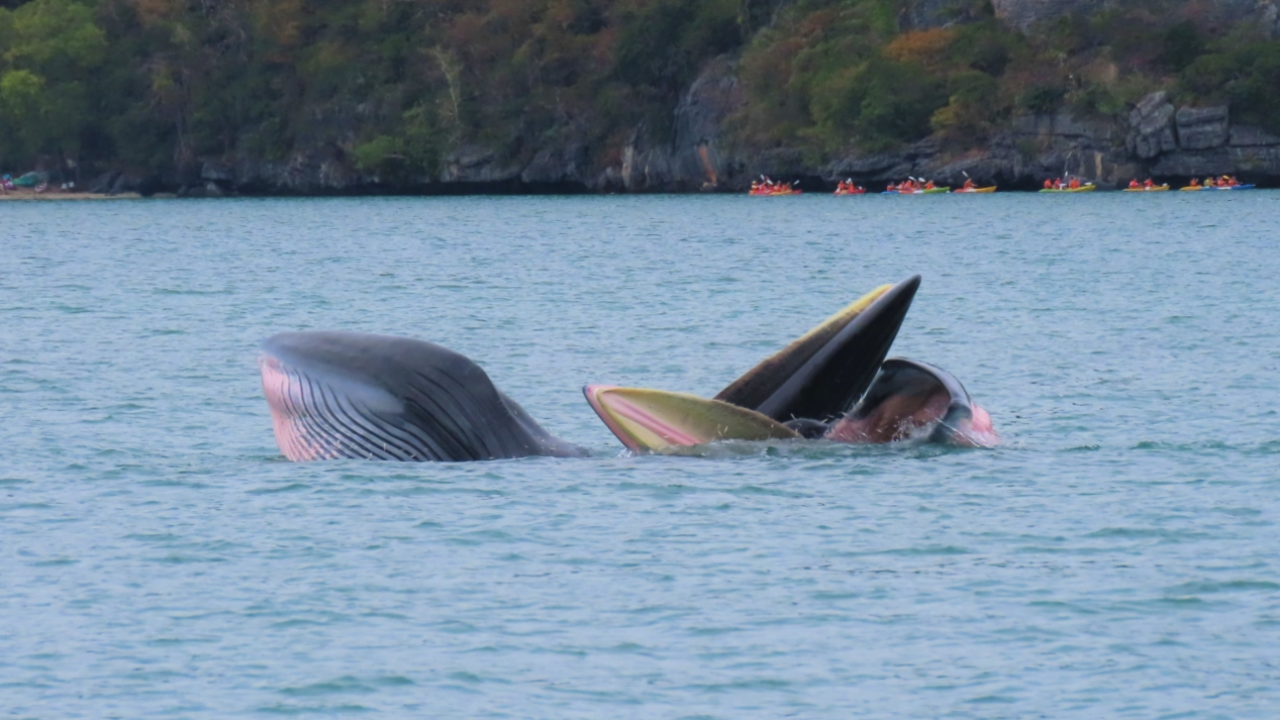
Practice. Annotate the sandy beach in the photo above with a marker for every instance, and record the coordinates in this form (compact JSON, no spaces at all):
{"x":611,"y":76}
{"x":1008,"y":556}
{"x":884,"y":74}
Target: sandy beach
{"x":27,"y":194}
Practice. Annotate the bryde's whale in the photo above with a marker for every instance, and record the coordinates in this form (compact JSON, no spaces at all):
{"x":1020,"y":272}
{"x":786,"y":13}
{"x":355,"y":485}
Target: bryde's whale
{"x":351,"y":395}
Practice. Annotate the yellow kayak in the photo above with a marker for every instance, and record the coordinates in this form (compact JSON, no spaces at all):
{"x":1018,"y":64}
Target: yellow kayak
{"x":974,"y":191}
{"x":1191,"y":188}
{"x":1157,"y":188}
{"x":1083,"y":188}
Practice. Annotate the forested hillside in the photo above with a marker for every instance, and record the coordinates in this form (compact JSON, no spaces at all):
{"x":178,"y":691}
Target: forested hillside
{"x":313,"y":95}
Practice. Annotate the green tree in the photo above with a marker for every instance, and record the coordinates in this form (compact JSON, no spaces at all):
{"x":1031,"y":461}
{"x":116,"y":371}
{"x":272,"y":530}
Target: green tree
{"x":50,"y":51}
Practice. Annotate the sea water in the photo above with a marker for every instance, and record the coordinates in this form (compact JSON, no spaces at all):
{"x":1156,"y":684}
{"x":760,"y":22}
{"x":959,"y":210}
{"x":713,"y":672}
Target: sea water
{"x":1115,"y":557}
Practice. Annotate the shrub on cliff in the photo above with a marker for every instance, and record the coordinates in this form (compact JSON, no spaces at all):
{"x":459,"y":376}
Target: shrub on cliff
{"x":1246,"y":75}
{"x":877,"y":105}
{"x":972,"y":108}
{"x":662,"y":44}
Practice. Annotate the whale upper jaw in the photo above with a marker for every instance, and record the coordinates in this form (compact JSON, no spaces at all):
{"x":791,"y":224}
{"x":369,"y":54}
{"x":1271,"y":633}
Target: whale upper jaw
{"x":822,"y":374}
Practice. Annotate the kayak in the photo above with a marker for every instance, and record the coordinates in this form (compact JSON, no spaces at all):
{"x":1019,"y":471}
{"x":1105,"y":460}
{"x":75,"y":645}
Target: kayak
{"x":1083,"y":188}
{"x":859,"y":191}
{"x":930,"y":191}
{"x":974,"y":191}
{"x":1157,"y":188}
{"x":1231,"y":187}
{"x":774,"y":193}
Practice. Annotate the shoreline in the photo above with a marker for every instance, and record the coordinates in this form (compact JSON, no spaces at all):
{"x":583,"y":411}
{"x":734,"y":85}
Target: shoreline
{"x":26,"y":195}
{"x":21,"y":194}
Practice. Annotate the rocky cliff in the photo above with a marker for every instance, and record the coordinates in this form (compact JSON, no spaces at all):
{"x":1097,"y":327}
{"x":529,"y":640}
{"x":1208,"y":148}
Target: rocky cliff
{"x":1156,"y":139}
{"x":1214,"y":15}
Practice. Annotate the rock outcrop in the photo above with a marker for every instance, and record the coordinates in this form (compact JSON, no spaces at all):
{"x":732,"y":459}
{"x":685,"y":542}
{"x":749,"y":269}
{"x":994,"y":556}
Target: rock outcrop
{"x":1151,"y":127}
{"x":1202,"y":128}
{"x":1215,"y":16}
{"x":700,"y":161}
{"x":1023,"y":14}
{"x":922,"y":14}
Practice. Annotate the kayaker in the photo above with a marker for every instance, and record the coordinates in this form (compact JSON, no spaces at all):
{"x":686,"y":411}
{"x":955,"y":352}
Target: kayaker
{"x":1148,"y":184}
{"x":1075,"y":183}
{"x":1133,"y":184}
{"x":1210,"y":182}
{"x":1048,"y":184}
{"x":929,"y":185}
{"x":1195,"y":182}
{"x":969,"y":184}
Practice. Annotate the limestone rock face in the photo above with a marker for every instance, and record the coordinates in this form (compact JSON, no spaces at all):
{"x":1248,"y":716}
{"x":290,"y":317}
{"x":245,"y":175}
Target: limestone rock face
{"x":215,"y":172}
{"x":315,"y":171}
{"x":1022,"y":14}
{"x":1216,"y":16}
{"x":697,"y":159}
{"x":1250,"y":136}
{"x":476,"y":164}
{"x":565,"y":164}
{"x":1151,"y":127}
{"x":922,"y":14}
{"x":1202,"y":128}
{"x":646,"y":165}
{"x":700,"y":159}
{"x":1195,"y":163}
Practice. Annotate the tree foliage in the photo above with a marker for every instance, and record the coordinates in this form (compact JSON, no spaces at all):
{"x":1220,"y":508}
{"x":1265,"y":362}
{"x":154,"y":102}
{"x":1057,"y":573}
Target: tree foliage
{"x":1246,"y":75}
{"x":394,"y":86}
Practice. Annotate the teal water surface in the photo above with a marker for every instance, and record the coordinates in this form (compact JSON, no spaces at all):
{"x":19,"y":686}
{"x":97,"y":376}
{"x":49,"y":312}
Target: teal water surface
{"x":1116,"y":557}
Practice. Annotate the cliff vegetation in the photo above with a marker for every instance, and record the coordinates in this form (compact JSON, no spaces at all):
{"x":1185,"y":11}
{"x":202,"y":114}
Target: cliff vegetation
{"x":300,"y":95}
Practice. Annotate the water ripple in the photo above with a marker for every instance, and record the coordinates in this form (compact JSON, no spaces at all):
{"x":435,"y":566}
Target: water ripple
{"x":1115,"y":558}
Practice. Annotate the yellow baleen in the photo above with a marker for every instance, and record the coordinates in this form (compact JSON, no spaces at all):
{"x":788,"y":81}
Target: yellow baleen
{"x":656,"y":420}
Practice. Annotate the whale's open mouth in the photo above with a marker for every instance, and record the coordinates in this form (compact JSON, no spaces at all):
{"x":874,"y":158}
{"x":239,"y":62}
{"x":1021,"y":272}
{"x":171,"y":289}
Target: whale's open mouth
{"x":911,"y":400}
{"x":833,"y":383}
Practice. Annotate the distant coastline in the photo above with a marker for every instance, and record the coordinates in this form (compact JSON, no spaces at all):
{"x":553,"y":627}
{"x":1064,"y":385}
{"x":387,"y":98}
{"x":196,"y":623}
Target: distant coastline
{"x":617,"y":96}
{"x":20,"y":195}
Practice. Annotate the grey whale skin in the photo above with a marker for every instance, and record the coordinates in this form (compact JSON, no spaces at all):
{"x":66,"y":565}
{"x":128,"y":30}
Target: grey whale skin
{"x":353,"y":395}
